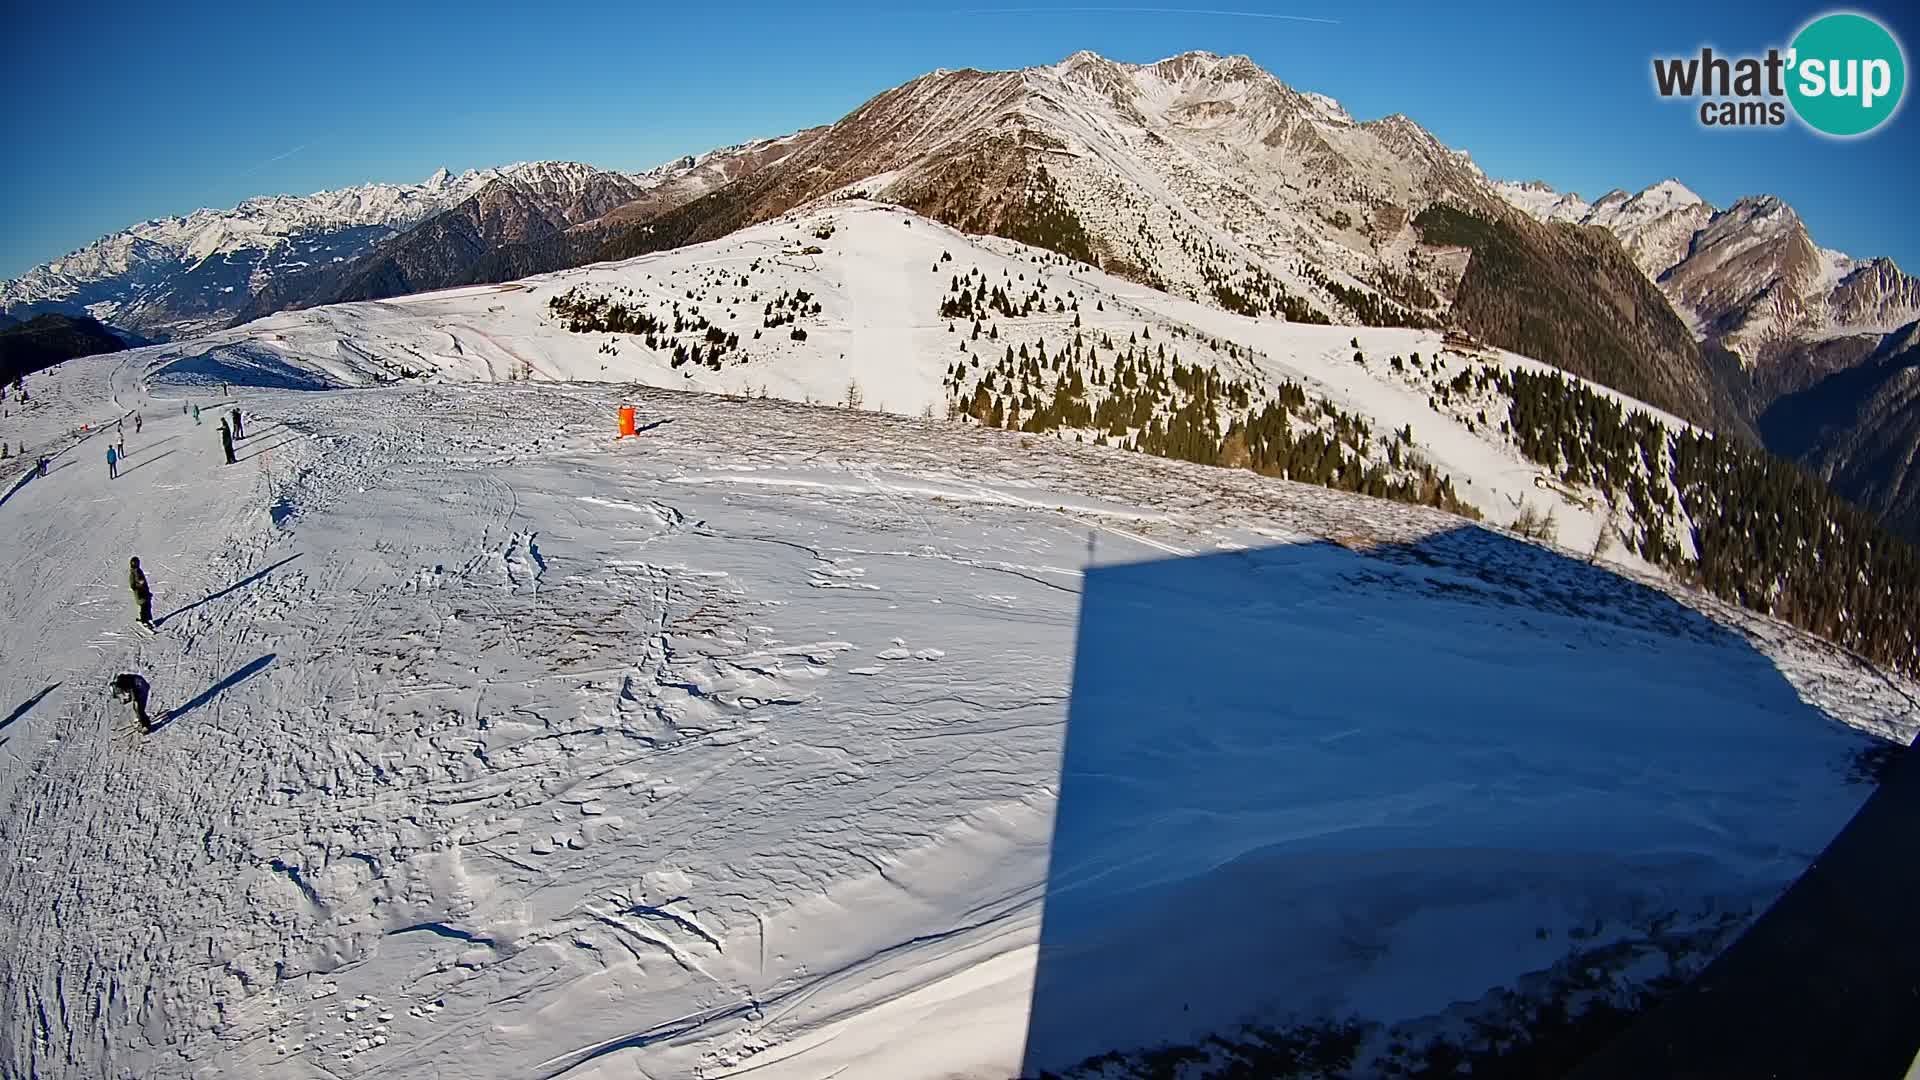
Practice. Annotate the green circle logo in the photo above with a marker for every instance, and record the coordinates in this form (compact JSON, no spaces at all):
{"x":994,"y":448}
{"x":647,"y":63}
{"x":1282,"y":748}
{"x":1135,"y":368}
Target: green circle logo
{"x":1848,"y":74}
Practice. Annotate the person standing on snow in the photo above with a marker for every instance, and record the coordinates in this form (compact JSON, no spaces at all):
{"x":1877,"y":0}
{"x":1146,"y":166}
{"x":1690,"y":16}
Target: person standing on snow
{"x":113,"y":464}
{"x":136,"y":423}
{"x":237,"y":433}
{"x":132,"y":688}
{"x":226,"y":441}
{"x":142,"y":595}
{"x":196,"y":414}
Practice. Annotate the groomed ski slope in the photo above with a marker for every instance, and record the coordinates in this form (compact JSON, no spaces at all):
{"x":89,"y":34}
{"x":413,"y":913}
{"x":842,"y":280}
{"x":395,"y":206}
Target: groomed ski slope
{"x":500,"y":748}
{"x":879,"y":275}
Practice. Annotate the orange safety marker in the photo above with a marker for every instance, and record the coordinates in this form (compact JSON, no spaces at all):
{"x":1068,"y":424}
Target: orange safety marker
{"x":626,"y":421}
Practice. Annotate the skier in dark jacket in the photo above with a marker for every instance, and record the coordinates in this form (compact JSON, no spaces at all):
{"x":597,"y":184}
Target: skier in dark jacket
{"x":113,"y":463}
{"x":136,"y":423}
{"x":226,"y":441}
{"x":132,"y":688}
{"x":237,"y":432}
{"x":142,"y":595}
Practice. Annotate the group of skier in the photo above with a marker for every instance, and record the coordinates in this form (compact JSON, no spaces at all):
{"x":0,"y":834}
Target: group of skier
{"x":130,"y":687}
{"x":231,"y":429}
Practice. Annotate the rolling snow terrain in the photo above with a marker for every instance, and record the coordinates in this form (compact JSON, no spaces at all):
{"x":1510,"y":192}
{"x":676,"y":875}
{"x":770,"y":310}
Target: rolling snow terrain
{"x":788,"y":741}
{"x":879,"y":276}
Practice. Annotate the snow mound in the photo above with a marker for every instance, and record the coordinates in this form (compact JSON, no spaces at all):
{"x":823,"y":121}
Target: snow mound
{"x":241,"y":363}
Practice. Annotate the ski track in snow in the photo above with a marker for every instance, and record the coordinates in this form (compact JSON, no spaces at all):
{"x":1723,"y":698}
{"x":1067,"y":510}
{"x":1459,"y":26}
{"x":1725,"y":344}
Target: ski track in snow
{"x":512,"y":750}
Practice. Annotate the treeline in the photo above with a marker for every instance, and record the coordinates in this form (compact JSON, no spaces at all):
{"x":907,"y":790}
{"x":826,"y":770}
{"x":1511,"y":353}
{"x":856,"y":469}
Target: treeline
{"x":1766,"y":535}
{"x":1772,"y":538}
{"x":1371,"y":309}
{"x":706,"y":344}
{"x":1573,"y":298}
{"x":1144,"y":398}
{"x":968,"y":297}
{"x":1257,"y":293}
{"x":1044,"y":219}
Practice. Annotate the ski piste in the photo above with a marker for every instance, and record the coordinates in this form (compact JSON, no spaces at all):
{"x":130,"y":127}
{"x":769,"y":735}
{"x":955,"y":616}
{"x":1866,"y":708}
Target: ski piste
{"x":766,"y":735}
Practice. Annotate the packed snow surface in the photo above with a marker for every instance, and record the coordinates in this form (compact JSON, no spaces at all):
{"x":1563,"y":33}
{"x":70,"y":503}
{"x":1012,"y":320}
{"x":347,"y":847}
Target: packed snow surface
{"x":788,"y":741}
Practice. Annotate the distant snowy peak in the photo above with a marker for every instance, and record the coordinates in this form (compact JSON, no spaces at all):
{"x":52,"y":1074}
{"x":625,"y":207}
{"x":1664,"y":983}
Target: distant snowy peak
{"x":1542,"y":202}
{"x":1749,"y":277}
{"x":169,"y":276}
{"x":565,"y":183}
{"x":260,"y":222}
{"x":265,"y":221}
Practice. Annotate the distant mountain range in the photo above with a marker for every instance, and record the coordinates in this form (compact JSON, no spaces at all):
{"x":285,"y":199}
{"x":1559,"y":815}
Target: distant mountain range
{"x":1816,"y":345}
{"x":1201,"y":175}
{"x":181,"y":277}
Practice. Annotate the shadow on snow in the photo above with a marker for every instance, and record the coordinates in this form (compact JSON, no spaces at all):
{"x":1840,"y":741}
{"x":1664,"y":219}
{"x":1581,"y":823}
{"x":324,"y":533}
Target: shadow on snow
{"x":145,"y":461}
{"x":253,"y":668}
{"x":27,"y":706}
{"x":235,"y":587}
{"x":1315,"y":789}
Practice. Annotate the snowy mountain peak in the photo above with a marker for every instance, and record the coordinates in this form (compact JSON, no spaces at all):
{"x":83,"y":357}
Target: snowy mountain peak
{"x":1538,"y":199}
{"x":172,"y":276}
{"x":1083,"y":58}
{"x":551,"y":174}
{"x":1672,"y":192}
{"x":1764,"y":211}
{"x":1329,"y":108}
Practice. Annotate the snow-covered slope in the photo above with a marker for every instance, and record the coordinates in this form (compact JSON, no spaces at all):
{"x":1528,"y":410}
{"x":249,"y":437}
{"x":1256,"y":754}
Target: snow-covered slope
{"x":782,"y":741}
{"x":879,"y":278}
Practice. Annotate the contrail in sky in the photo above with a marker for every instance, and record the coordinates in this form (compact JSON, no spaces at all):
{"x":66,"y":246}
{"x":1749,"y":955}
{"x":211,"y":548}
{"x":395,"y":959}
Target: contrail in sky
{"x":271,"y":160}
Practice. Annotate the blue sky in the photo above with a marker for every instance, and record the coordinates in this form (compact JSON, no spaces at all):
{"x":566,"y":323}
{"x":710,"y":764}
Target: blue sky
{"x":119,"y":112}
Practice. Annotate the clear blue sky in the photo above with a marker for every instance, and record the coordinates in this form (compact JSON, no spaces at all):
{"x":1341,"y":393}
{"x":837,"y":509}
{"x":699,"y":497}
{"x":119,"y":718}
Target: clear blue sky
{"x":117,"y":112}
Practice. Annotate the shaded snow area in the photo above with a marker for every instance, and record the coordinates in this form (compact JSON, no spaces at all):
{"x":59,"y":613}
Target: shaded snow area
{"x":788,"y":741}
